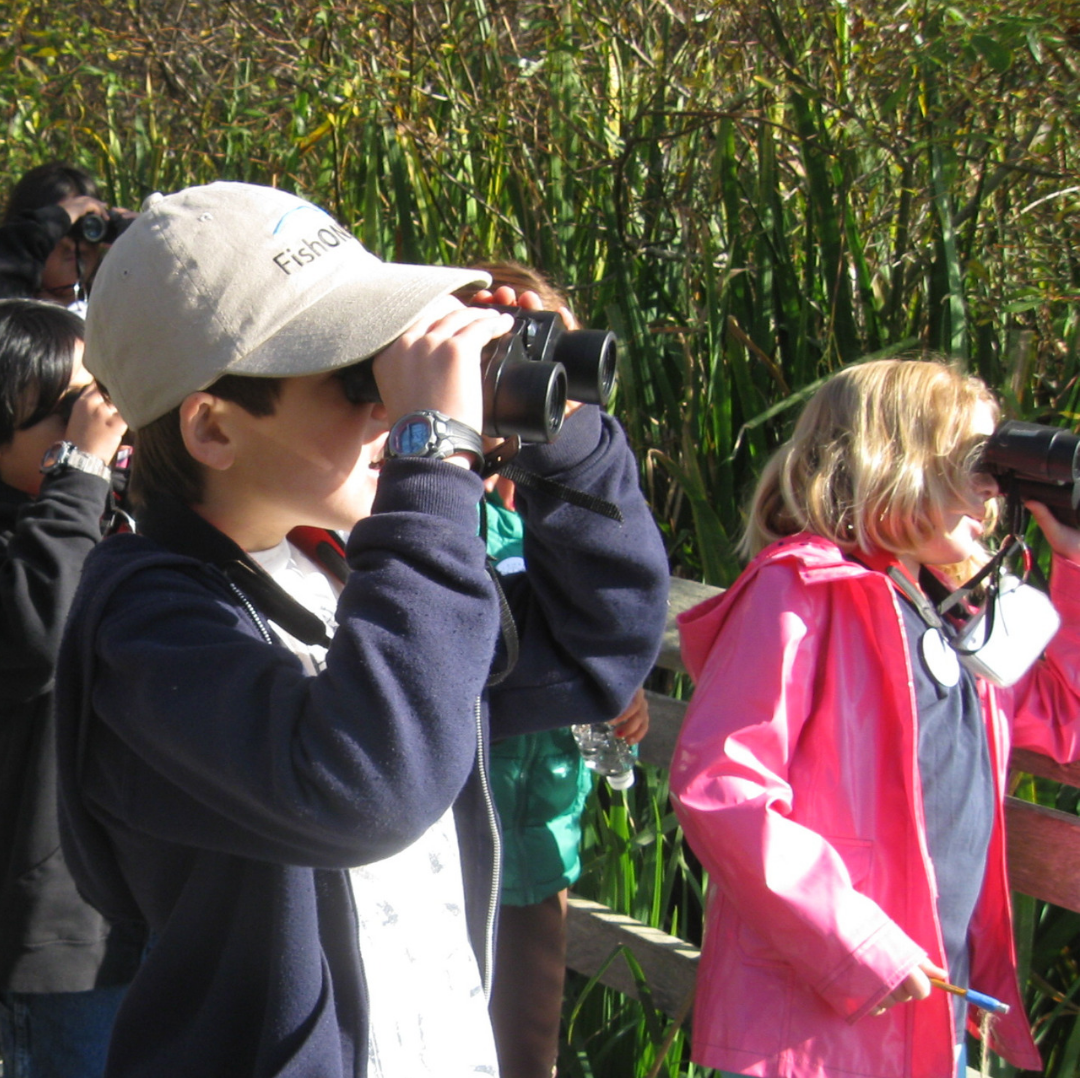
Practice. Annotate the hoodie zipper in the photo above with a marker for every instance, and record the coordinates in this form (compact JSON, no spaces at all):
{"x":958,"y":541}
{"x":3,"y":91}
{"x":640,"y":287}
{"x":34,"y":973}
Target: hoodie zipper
{"x":496,"y":867}
{"x":250,"y":608}
{"x":489,"y":810}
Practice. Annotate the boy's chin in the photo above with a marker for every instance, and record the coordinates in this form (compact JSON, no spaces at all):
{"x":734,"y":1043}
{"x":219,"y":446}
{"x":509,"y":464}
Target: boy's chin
{"x":338,"y":511}
{"x":345,"y":518}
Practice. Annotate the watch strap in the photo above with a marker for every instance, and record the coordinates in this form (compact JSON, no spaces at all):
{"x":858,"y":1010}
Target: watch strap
{"x":64,"y":455}
{"x":448,"y":436}
{"x":465,"y":439}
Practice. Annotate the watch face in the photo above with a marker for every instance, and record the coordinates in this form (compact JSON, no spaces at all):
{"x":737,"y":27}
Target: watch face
{"x":52,"y":456}
{"x":413,"y":437}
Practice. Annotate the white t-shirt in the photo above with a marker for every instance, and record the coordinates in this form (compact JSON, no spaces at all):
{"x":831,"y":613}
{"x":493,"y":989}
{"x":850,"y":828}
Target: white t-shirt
{"x":428,"y":1015}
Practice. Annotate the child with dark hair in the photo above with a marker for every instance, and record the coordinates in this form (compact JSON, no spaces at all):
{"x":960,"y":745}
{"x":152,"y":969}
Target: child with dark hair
{"x":42,"y":254}
{"x":62,"y":967}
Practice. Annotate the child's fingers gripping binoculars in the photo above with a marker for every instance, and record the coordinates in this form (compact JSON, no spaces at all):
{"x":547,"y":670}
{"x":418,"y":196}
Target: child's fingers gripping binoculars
{"x":1037,"y":463}
{"x":528,"y":375}
{"x":96,"y":228}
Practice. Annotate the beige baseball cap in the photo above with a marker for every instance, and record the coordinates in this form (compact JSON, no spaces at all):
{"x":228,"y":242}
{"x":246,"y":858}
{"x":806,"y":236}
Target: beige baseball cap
{"x":233,"y":278}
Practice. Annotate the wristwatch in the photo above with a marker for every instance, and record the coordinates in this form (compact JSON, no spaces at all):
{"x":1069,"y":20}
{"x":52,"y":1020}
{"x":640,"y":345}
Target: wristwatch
{"x":64,"y":455}
{"x":428,"y":433}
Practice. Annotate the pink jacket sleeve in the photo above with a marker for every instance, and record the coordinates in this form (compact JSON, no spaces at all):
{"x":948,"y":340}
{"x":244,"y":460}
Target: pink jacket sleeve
{"x":730,"y":782}
{"x":1045,"y":703}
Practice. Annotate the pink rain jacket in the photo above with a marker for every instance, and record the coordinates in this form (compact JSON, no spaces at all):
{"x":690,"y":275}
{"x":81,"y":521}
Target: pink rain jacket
{"x":796,"y":779}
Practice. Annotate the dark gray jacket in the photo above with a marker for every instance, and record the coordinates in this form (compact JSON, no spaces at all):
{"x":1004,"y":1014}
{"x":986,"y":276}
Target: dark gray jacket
{"x":50,"y":939}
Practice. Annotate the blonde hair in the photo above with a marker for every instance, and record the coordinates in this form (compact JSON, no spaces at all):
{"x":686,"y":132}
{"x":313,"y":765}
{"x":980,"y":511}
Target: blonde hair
{"x":877,"y":456}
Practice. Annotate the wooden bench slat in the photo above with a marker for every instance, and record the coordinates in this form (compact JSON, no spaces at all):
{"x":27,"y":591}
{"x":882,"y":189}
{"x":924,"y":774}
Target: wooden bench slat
{"x":683,"y":595}
{"x":665,"y":721}
{"x":594,"y":931}
{"x":1044,"y":852}
{"x":1043,"y":767}
{"x":1044,"y":861}
{"x":666,"y":716}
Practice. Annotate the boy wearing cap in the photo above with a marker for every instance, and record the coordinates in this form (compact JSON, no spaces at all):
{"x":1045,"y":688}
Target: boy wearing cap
{"x":280,"y":773}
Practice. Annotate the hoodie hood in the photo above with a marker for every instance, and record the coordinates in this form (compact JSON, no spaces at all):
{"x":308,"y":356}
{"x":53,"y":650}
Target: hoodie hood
{"x":817,"y":560}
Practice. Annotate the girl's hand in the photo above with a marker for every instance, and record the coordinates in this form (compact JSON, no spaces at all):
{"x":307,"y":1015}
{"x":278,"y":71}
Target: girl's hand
{"x":633,"y":724}
{"x":916,"y":985}
{"x":95,"y":425}
{"x":1063,"y":540}
{"x":505,"y":296}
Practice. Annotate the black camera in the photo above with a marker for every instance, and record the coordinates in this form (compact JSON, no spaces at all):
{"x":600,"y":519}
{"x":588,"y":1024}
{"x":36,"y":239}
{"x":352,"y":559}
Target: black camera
{"x":1038,"y":463}
{"x":529,"y":373}
{"x":95,"y":228}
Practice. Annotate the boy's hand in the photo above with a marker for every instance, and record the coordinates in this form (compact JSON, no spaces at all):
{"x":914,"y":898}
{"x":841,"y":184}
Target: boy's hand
{"x":436,"y":363}
{"x":633,"y":724}
{"x":95,"y":425}
{"x":1063,"y":540}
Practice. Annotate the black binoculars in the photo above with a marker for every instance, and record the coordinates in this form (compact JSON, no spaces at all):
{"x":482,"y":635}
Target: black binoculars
{"x":528,"y":375}
{"x":1032,"y":461}
{"x":95,"y":228}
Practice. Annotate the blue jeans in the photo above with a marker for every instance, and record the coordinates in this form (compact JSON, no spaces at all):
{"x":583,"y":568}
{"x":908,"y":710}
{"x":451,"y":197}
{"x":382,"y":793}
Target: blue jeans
{"x":57,"y":1034}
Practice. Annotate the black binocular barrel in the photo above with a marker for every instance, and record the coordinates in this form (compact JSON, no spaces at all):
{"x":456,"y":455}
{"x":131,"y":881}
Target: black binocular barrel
{"x":1051,"y":454}
{"x":589,"y":356}
{"x":1034,"y":462}
{"x":528,"y":375}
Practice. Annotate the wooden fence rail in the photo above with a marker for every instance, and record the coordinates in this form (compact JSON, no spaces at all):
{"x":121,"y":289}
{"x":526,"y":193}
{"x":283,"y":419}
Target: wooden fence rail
{"x":1043,"y":851}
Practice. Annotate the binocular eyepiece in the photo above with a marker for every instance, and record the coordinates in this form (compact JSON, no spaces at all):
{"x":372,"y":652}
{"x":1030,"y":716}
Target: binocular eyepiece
{"x":96,"y":228}
{"x":1034,"y":462}
{"x":528,"y":375}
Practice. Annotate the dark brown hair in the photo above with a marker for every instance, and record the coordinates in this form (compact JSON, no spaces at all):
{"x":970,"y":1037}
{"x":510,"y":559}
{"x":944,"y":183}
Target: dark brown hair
{"x":48,"y":185}
{"x":521,"y":279}
{"x":37,"y":353}
{"x":161,"y":464}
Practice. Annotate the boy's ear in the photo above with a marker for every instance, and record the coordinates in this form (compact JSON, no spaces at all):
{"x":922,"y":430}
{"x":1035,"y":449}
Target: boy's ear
{"x":205,"y":429}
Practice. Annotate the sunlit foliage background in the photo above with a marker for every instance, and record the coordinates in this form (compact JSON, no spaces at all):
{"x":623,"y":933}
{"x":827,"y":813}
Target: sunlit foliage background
{"x":750,"y":193}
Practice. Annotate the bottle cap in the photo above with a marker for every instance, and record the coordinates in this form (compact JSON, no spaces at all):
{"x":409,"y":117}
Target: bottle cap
{"x":623,"y":781}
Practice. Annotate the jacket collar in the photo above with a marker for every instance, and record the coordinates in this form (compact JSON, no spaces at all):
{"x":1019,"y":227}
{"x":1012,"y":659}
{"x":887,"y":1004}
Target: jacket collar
{"x":180,"y":529}
{"x":816,"y":560}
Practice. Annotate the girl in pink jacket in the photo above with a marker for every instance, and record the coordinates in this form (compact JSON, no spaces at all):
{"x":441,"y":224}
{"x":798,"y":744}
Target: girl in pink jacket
{"x":840,"y":774}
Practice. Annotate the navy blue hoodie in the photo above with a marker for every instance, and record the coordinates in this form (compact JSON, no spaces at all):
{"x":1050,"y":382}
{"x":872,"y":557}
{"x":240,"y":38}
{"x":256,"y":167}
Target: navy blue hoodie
{"x":212,"y":788}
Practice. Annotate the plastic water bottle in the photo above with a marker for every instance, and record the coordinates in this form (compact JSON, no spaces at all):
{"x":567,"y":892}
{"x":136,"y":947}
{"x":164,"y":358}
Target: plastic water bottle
{"x":606,"y":753}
